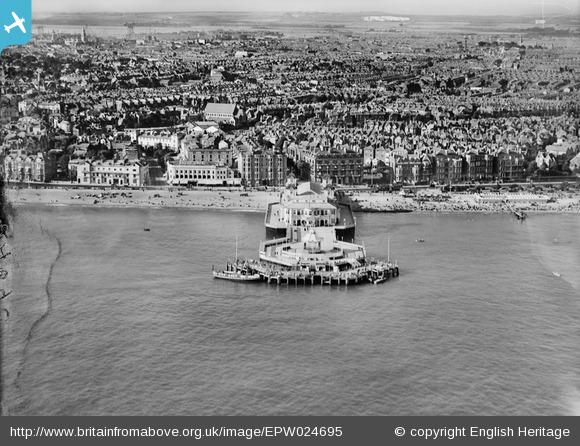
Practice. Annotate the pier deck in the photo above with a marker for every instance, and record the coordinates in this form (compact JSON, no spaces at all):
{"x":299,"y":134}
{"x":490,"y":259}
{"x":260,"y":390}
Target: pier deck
{"x":375,"y":272}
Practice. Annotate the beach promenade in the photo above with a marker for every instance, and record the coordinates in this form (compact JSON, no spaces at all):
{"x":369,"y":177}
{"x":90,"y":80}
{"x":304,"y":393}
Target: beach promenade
{"x":561,"y":202}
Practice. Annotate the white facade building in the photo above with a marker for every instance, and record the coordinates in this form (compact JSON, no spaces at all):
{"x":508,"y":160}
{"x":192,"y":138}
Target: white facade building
{"x":120,"y":173}
{"x":184,"y":173}
{"x":171,"y":142}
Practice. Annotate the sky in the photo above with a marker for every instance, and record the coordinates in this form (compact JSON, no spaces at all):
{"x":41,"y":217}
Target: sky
{"x":476,"y":7}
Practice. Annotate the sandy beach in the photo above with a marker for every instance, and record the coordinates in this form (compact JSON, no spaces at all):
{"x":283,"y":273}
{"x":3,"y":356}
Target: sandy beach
{"x":428,"y":201}
{"x":253,"y":201}
{"x":434,"y":201}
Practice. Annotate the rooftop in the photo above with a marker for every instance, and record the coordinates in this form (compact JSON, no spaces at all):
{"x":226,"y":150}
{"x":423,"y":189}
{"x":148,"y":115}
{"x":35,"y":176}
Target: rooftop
{"x":213,"y":107}
{"x":309,"y":188}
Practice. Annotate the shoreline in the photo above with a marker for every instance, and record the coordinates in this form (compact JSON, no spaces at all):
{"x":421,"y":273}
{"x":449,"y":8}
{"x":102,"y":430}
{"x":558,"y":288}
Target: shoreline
{"x":137,"y":206}
{"x":257,"y":201}
{"x":221,"y":200}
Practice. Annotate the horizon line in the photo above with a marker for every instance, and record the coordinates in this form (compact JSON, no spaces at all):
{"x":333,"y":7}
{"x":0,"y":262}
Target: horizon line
{"x":300,"y":12}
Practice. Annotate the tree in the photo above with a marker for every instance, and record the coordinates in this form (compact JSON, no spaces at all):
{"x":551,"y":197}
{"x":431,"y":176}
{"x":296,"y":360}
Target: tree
{"x":303,"y":171}
{"x":107,"y":154}
{"x":62,"y":165}
{"x":504,"y":84}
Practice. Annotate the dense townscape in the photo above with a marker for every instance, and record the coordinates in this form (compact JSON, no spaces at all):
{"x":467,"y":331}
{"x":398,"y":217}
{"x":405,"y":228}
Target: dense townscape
{"x":267,"y":213}
{"x":251,"y":108}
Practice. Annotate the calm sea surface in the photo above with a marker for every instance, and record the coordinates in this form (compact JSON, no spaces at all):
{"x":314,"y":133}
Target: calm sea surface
{"x":109,"y":319}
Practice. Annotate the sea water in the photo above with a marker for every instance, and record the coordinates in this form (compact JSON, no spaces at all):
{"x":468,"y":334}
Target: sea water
{"x":108,"y":319}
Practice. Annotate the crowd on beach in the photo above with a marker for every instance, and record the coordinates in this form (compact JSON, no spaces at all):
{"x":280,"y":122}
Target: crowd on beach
{"x":428,"y":200}
{"x":144,"y":198}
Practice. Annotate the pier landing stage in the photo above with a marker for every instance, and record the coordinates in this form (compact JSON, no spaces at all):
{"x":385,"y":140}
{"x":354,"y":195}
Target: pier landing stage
{"x":372,"y":273}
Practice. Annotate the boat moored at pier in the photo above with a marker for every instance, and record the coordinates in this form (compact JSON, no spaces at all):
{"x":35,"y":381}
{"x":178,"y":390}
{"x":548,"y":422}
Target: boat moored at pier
{"x":237,"y":273}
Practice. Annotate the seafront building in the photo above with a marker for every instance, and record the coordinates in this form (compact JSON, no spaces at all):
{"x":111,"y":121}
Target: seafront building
{"x":184,"y":173}
{"x":510,"y":166}
{"x":111,"y":173}
{"x":204,"y":151}
{"x":262,"y":168}
{"x":19,"y":167}
{"x":203,"y":160}
{"x":309,"y":205}
{"x":478,"y":166}
{"x":448,"y":168}
{"x":415,"y":169}
{"x":341,"y":167}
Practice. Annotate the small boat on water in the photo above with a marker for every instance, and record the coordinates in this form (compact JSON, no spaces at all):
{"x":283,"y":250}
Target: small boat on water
{"x":146,"y":229}
{"x":237,"y":271}
{"x":556,"y":273}
{"x":236,"y":276}
{"x":420,"y":240}
{"x":383,"y":276}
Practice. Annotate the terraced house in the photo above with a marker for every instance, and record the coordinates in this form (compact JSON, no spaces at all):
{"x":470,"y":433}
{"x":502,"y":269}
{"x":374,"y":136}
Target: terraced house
{"x":19,"y":167}
{"x":342,"y":167}
{"x":262,"y":168}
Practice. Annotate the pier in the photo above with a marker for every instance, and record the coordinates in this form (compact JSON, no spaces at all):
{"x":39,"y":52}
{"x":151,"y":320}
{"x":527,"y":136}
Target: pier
{"x":376,"y":272}
{"x":303,"y":246}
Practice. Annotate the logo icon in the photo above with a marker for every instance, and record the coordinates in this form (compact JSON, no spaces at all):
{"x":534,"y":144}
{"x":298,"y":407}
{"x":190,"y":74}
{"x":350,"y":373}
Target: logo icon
{"x":16,"y":22}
